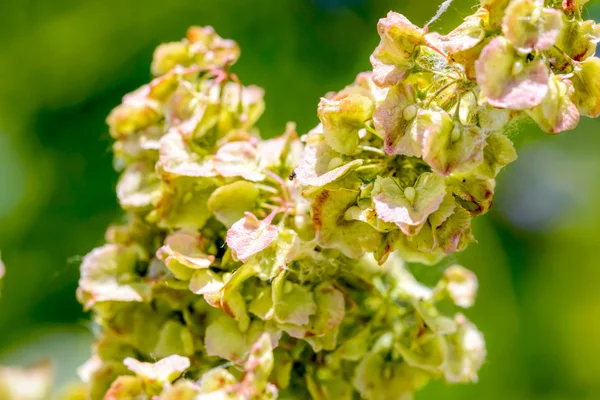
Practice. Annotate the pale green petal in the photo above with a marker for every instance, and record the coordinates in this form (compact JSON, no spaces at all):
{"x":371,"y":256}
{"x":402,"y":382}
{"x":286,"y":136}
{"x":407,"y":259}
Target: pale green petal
{"x":230,"y":202}
{"x":108,"y":274}
{"x":292,"y":303}
{"x":378,"y":379}
{"x":183,"y":252}
{"x":177,"y":158}
{"x":419,"y":248}
{"x":353,"y":238}
{"x":138,"y":187}
{"x":408,"y":207}
{"x":183,"y":204}
{"x":466,"y":352}
{"x":464,"y":37}
{"x":224,"y":338}
{"x":238,"y":159}
{"x":448,"y":146}
{"x":586,"y":83}
{"x":174,"y":338}
{"x":163,"y":371}
{"x":475,"y":195}
{"x":429,"y":355}
{"x":181,"y":390}
{"x":136,"y":112}
{"x":320,"y":164}
{"x":342,"y":119}
{"x":499,"y":151}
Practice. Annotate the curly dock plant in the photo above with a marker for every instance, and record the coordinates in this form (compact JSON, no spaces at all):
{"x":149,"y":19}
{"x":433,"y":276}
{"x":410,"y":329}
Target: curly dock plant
{"x":263,"y":269}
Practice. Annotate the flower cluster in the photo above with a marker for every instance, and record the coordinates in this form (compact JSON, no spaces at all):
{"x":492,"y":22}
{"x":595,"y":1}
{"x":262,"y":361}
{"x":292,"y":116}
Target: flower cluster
{"x":222,"y":260}
{"x":227,"y":280}
{"x":406,"y":156}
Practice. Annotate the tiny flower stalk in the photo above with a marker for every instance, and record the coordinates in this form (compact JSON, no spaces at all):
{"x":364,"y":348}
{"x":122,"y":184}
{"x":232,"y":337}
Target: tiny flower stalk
{"x":264,"y":269}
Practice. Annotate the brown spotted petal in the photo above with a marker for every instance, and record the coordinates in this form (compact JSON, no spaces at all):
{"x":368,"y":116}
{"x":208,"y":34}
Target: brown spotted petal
{"x":506,"y":80}
{"x":410,"y":207}
{"x":353,"y":238}
{"x":453,"y":230}
{"x":473,"y":194}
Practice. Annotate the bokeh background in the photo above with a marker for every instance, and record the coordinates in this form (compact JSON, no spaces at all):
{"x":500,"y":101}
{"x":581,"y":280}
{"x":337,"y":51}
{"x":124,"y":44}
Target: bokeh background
{"x":65,"y":63}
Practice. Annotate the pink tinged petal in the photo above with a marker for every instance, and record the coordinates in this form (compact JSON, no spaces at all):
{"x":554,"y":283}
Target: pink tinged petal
{"x":248,"y":236}
{"x":507,"y":81}
{"x":448,"y":146}
{"x":466,"y":354}
{"x":461,"y":285}
{"x":410,"y":207}
{"x":187,"y":248}
{"x":393,"y":119}
{"x":321,"y":165}
{"x":557,"y":113}
{"x":529,"y":26}
{"x":393,"y":57}
{"x":386,"y":75}
{"x":466,"y":36}
{"x":238,"y":159}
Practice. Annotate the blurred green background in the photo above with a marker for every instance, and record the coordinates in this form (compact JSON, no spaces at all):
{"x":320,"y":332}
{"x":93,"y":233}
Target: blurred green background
{"x":65,"y":63}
